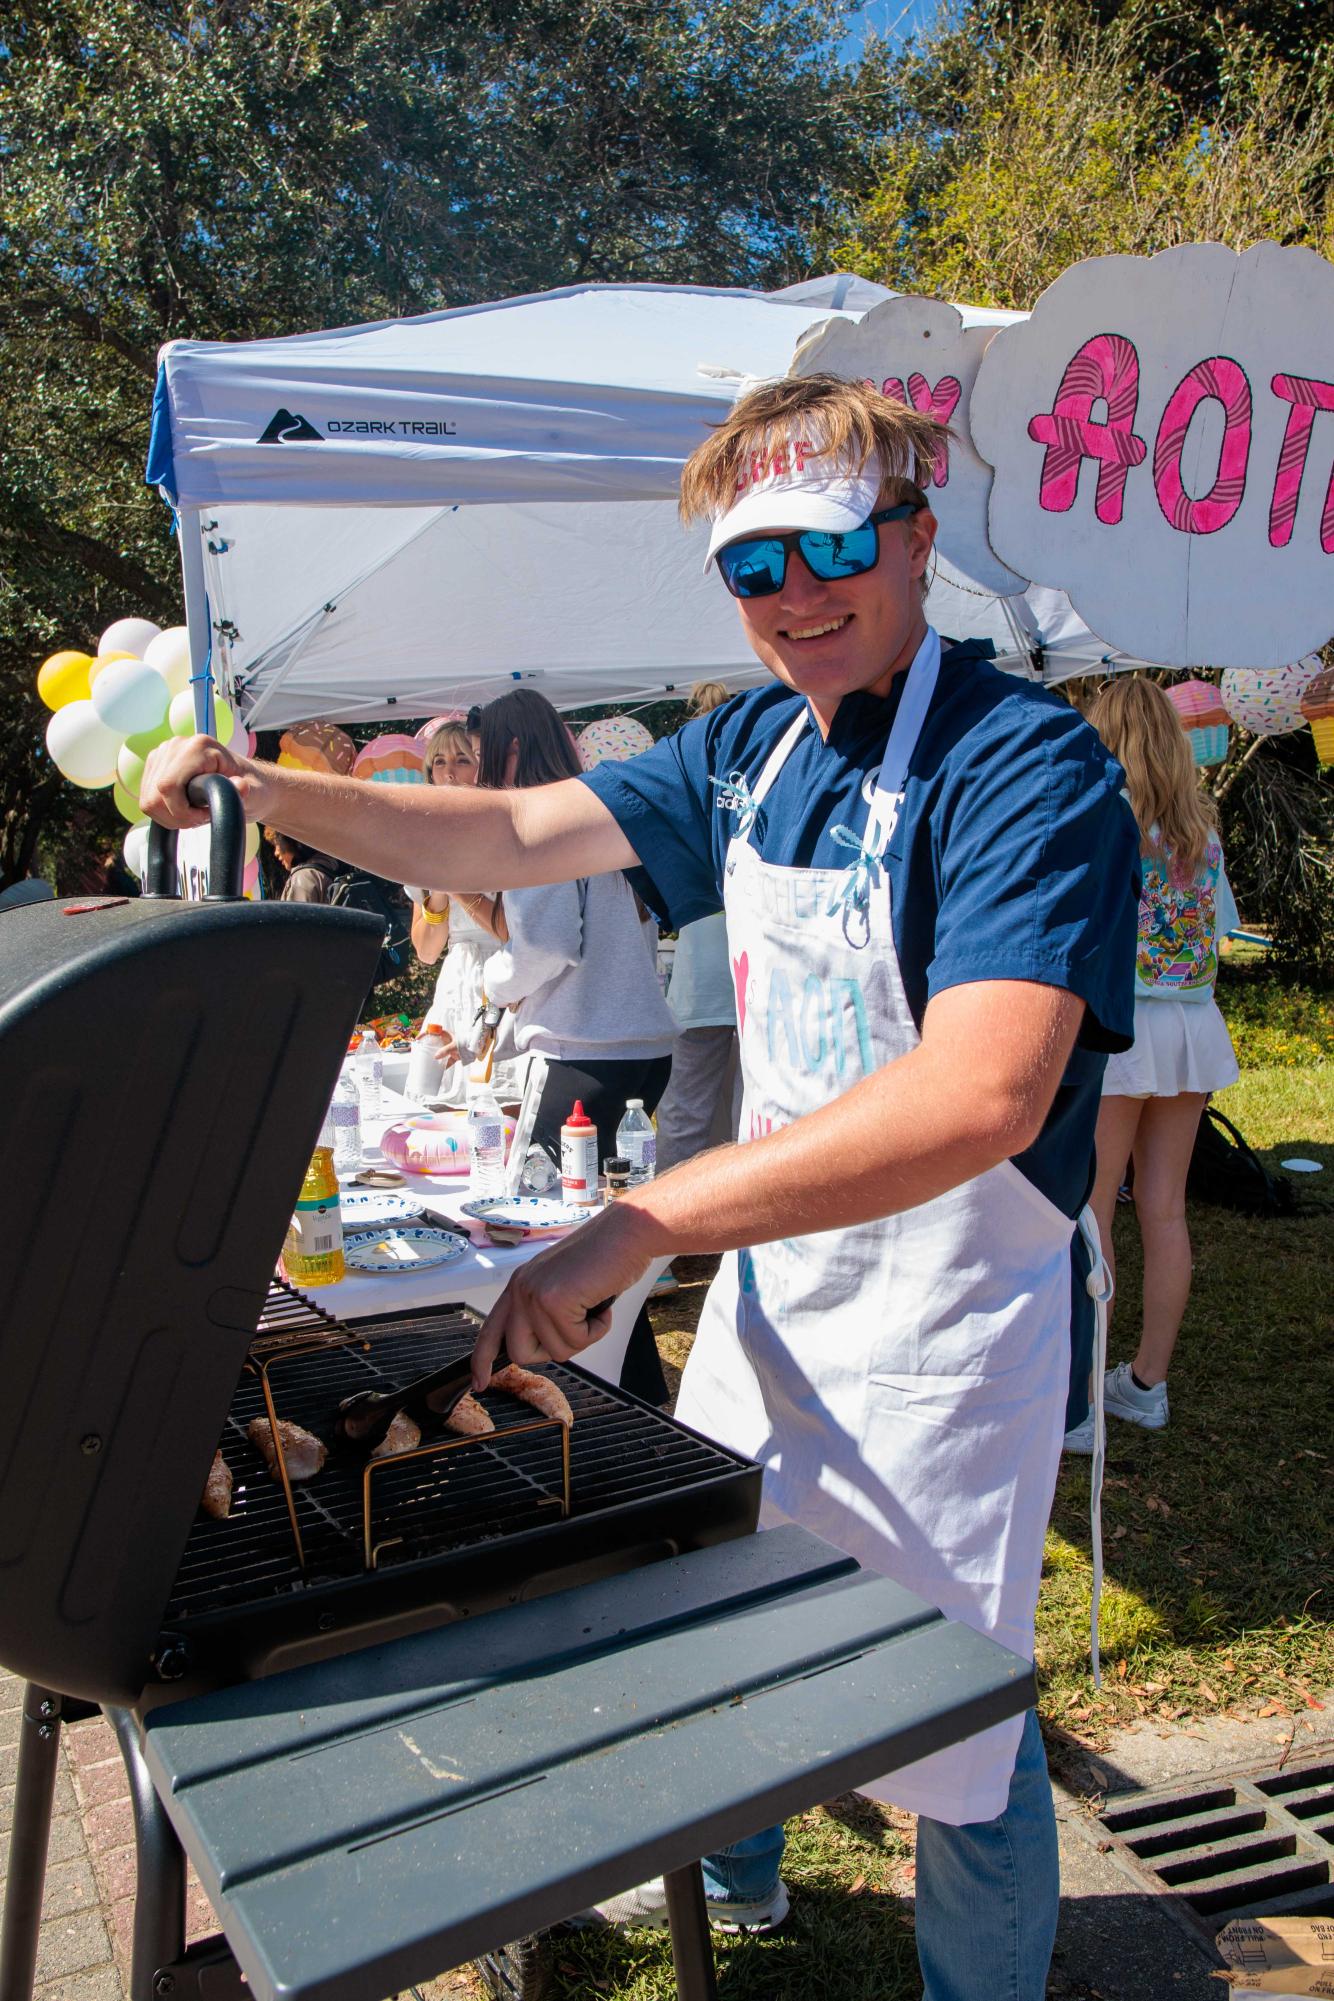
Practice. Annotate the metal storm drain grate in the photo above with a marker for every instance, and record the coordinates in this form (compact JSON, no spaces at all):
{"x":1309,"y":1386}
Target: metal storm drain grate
{"x":1248,"y":1846}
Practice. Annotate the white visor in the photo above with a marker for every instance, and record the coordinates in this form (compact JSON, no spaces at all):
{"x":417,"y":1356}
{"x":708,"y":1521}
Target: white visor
{"x":835,"y":502}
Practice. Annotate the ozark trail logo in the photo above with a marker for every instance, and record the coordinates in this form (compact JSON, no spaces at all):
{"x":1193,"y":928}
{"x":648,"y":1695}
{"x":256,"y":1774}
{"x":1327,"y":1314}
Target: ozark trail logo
{"x":284,"y":428}
{"x":288,"y":427}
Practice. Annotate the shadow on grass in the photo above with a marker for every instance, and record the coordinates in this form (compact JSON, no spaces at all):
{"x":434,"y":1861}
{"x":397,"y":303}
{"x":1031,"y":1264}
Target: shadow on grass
{"x":857,"y":1948}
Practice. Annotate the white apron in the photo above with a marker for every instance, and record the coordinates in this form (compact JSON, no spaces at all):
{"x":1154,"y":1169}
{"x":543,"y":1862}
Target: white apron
{"x":903,"y":1382}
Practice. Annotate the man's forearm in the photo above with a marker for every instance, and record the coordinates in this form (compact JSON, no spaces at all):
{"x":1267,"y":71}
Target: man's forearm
{"x":450,"y":835}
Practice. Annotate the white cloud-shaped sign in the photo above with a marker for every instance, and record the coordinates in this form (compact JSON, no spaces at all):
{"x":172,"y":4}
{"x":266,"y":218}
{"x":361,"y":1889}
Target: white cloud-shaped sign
{"x":919,"y":351}
{"x":1162,"y":433}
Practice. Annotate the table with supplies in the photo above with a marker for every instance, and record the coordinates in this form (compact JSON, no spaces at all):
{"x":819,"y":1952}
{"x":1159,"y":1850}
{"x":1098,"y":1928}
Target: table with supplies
{"x":475,"y":1279}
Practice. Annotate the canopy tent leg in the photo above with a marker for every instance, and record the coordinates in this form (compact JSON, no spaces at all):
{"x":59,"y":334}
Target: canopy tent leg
{"x":190,"y":533}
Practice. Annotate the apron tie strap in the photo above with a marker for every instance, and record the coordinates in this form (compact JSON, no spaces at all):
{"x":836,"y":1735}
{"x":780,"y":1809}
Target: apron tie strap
{"x":1099,"y":1287}
{"x":859,"y":878}
{"x":735,"y":796}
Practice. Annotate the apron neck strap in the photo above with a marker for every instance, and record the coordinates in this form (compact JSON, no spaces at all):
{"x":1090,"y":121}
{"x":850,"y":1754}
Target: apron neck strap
{"x":919,"y":687}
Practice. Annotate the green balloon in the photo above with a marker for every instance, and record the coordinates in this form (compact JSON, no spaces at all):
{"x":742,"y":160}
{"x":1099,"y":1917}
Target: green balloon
{"x":128,"y":808}
{"x":146,"y":740}
{"x":130,"y":769}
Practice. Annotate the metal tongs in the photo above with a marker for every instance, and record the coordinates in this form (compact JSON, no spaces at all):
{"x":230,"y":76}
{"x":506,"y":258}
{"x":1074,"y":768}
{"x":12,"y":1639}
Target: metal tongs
{"x":363,"y":1419}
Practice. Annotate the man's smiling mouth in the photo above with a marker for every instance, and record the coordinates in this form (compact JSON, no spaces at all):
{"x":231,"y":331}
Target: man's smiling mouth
{"x":817,"y":631}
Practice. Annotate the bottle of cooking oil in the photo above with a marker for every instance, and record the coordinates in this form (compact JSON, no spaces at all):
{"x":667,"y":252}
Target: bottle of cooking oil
{"x":313,"y":1247}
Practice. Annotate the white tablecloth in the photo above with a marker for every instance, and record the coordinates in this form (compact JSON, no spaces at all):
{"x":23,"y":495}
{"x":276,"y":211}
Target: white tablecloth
{"x":476,"y":1280}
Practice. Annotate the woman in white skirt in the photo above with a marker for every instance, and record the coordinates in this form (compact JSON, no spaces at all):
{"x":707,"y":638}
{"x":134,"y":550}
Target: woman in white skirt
{"x":1153,"y":1094}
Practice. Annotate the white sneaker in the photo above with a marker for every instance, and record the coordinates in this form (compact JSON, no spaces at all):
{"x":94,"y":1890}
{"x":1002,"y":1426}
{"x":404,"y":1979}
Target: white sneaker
{"x":645,"y":1907}
{"x":1080,"y":1438}
{"x":1123,"y":1398}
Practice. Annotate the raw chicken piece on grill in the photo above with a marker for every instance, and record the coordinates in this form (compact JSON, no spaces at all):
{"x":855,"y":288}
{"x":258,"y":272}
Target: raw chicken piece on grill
{"x":402,"y":1436}
{"x":469,"y":1418}
{"x":539,"y":1391}
{"x":303,"y":1452}
{"x":217,"y":1497}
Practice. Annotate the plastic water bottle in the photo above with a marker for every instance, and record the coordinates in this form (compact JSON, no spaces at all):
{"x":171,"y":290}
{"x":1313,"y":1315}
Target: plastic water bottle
{"x":370,"y":1076}
{"x":344,"y":1121}
{"x":637,"y":1142}
{"x":486,"y":1140}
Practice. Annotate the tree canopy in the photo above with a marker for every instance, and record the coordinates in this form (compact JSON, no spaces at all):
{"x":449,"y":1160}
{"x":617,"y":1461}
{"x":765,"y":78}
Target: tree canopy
{"x":234,"y":168}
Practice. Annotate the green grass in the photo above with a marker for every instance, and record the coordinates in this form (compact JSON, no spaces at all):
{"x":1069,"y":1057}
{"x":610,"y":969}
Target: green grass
{"x":1217,"y":1530}
{"x":1219,"y":1578}
{"x":1281,"y":1026}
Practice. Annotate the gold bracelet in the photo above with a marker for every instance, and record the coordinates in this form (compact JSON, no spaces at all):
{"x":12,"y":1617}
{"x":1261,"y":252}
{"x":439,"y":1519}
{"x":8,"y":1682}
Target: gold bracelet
{"x":435,"y":916}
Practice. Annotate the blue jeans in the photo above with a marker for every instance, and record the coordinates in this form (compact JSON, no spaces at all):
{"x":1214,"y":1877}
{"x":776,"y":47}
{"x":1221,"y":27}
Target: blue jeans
{"x":987,"y":1894}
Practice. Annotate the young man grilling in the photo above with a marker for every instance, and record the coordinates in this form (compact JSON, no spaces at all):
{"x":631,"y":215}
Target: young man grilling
{"x":929,"y":882}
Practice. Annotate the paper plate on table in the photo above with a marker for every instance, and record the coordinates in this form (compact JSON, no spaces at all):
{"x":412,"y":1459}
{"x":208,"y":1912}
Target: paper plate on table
{"x":531,"y":1215}
{"x":405,"y":1247}
{"x":373,"y":1208}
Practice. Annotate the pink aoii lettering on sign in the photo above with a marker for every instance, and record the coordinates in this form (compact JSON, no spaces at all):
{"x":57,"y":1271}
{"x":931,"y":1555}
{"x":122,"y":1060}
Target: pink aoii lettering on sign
{"x":1225,"y":381}
{"x":1306,"y":397}
{"x":1106,"y":370}
{"x":940,"y":402}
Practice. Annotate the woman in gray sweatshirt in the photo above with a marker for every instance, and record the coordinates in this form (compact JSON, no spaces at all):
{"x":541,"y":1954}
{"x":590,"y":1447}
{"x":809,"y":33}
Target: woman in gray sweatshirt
{"x":577,"y":968}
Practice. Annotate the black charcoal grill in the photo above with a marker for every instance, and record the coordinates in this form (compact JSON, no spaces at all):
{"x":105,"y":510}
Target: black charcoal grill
{"x":166,"y":1068}
{"x":371,"y":1550}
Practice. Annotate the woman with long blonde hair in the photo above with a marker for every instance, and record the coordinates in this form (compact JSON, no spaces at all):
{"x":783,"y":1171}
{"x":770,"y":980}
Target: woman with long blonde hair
{"x":1154,"y":1094}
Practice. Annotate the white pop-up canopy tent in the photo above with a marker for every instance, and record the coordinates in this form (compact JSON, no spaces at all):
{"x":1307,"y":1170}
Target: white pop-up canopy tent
{"x":389,"y":520}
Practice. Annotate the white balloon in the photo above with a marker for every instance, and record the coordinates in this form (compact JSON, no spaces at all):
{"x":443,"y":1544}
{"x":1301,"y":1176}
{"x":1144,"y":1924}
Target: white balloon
{"x":181,"y":718}
{"x":135,"y":850}
{"x":130,"y":697}
{"x":128,"y":635}
{"x":82,"y":748}
{"x":170,"y":654}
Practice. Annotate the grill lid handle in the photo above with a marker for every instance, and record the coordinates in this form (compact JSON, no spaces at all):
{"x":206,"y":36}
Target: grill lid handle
{"x":226,"y":852}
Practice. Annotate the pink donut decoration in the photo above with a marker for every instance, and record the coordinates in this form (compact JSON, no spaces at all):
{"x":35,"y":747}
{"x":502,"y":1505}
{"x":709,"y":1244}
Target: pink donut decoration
{"x":390,"y":760}
{"x":433,"y":1145}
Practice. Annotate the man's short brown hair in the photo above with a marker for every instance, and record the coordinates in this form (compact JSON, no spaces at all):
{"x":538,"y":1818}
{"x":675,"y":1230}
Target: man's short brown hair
{"x":823,"y":416}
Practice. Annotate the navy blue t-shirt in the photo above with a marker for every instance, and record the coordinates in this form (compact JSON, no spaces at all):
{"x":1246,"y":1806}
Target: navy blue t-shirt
{"x":1015,"y":856}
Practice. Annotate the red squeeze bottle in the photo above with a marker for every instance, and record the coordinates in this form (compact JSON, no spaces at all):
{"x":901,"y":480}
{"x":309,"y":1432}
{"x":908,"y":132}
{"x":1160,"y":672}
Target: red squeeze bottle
{"x":579,"y":1158}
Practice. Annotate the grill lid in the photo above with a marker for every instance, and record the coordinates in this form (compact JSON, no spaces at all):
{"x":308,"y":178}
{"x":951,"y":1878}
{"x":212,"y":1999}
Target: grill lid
{"x":164,"y":1068}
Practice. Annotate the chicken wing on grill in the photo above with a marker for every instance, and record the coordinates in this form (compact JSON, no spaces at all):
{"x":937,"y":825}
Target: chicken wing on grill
{"x":469,"y":1418}
{"x":217,"y":1496}
{"x":403,"y":1435}
{"x":539,"y":1391}
{"x":303,"y":1453}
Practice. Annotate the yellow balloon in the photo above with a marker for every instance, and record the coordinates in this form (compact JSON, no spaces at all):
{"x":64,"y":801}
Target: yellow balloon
{"x":104,"y":660}
{"x":65,"y":677}
{"x":251,"y":840}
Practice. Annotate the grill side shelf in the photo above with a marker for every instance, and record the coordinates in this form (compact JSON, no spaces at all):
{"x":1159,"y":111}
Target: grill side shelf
{"x":362,"y":1825}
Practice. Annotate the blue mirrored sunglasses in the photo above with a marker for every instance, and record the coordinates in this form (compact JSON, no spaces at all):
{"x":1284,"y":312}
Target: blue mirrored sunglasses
{"x":756,"y":567}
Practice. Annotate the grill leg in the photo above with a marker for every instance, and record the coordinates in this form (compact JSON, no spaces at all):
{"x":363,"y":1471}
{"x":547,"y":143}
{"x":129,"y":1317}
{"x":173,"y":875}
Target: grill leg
{"x":159,"y":1898}
{"x":692,"y":1947}
{"x":38,"y":1762}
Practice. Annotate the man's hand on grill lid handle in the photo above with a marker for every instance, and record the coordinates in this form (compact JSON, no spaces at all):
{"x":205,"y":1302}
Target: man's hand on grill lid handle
{"x":543,"y":1313}
{"x":173,"y":764}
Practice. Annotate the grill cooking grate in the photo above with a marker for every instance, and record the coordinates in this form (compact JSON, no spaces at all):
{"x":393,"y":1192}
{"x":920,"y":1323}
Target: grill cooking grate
{"x":498,"y":1486}
{"x":1249,"y":1846}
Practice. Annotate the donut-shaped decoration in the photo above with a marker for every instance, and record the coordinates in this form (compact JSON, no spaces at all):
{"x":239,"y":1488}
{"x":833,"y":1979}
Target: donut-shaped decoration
{"x":317,"y":747}
{"x":391,"y":760}
{"x":428,"y":730}
{"x":612,"y":739}
{"x":1267,"y":701}
{"x":437,"y":1145}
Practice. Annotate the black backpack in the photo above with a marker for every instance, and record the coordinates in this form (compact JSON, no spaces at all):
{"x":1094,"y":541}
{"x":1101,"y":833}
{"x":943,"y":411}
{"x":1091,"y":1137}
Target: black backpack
{"x":1225,"y":1171}
{"x":356,"y":890}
